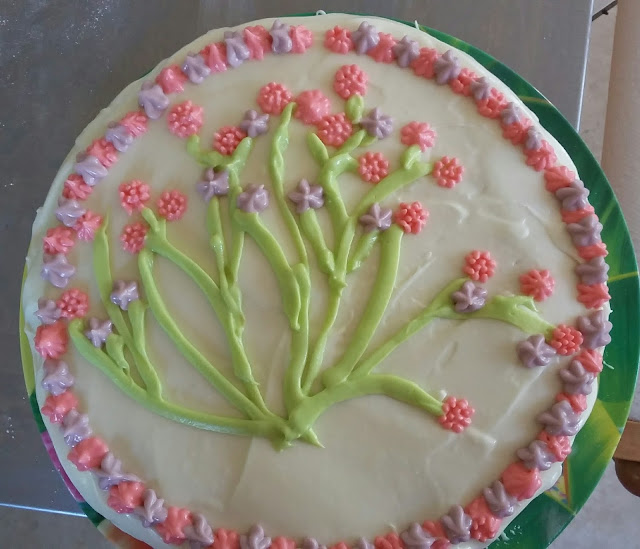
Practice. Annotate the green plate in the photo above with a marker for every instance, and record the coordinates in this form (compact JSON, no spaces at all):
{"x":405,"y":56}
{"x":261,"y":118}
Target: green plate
{"x":545,"y":517}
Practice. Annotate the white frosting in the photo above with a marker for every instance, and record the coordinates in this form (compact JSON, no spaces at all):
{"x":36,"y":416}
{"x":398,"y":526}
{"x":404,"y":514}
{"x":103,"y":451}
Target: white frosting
{"x":384,"y":464}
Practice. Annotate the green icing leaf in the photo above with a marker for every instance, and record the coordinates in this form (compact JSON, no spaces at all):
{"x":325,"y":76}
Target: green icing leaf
{"x":410,"y":156}
{"x":317,"y":148}
{"x":354,"y":108}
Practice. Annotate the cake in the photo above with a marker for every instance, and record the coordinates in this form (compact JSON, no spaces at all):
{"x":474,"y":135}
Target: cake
{"x":316,"y":281}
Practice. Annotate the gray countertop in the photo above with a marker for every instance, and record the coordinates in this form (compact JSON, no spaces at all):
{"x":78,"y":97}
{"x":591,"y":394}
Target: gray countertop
{"x":61,"y":61}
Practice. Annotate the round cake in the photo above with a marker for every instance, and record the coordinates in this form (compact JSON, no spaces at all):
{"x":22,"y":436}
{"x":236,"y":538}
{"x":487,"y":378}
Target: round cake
{"x":316,"y":282}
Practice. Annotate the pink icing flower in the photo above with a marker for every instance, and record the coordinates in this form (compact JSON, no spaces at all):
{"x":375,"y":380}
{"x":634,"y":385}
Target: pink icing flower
{"x":537,"y":284}
{"x":58,"y":406}
{"x":88,"y":453}
{"x":171,"y":79}
{"x":52,"y":339}
{"x":593,"y":296}
{"x":578,"y":402}
{"x":557,"y":177}
{"x":227,"y":139}
{"x":484,"y":525}
{"x":424,"y":63}
{"x":373,"y":167}
{"x":133,"y":236}
{"x":560,"y":446}
{"x":418,"y":133}
{"x":226,"y":539}
{"x":340,"y":545}
{"x":172,"y":205}
{"x":350,"y":80}
{"x":274,"y":97}
{"x":436,"y":530}
{"x":599,"y":249}
{"x":58,"y":240}
{"x":334,"y":129}
{"x":448,"y":172}
{"x":591,"y":360}
{"x":134,"y":195}
{"x":577,"y":215}
{"x":520,"y":482}
{"x":461,"y":84}
{"x":136,"y":122}
{"x":104,"y":151}
{"x":383,"y":51}
{"x":479,"y":265}
{"x":75,"y":188}
{"x":172,"y":529}
{"x":542,"y":158}
{"x":301,"y":38}
{"x":258,"y":40}
{"x":73,"y":303}
{"x":281,"y":542}
{"x":312,"y":106}
{"x":215,"y":55}
{"x":185,"y":119}
{"x":566,"y":340}
{"x":338,"y":40}
{"x":388,"y":541}
{"x":457,"y":414}
{"x":516,"y":132}
{"x":411,"y":218}
{"x":492,"y":106}
{"x":126,"y":496}
{"x":87,"y":226}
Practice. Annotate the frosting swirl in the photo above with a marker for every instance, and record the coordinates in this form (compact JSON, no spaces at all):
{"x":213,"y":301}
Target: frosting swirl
{"x":560,"y":419}
{"x":457,"y":525}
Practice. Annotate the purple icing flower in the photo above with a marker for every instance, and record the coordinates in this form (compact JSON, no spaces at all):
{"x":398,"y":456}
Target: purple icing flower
{"x":254,"y":124}
{"x":195,"y":68}
{"x":457,"y":525}
{"x":152,"y":510}
{"x":593,"y":271}
{"x":237,"y":50}
{"x":90,"y":168}
{"x":48,"y":312}
{"x":586,"y":231}
{"x":282,"y":42}
{"x":98,"y":331}
{"x":363,"y":543}
{"x":365,"y":38}
{"x":75,"y":427}
{"x":499,"y":501}
{"x":573,"y":197}
{"x":377,"y":124}
{"x":255,"y":539}
{"x":254,"y":199}
{"x":536,"y":456}
{"x":415,"y":537}
{"x":57,"y":270}
{"x":110,"y":472}
{"x":312,"y":543}
{"x":213,"y":184}
{"x":595,"y":328}
{"x":534,"y":351}
{"x":510,"y":114}
{"x":57,"y":378}
{"x":480,"y":89}
{"x":199,"y":533}
{"x":576,"y":380}
{"x":152,"y":99}
{"x":406,"y":51}
{"x":533,"y":141}
{"x":124,"y":293}
{"x":469,"y":297}
{"x":560,"y":420}
{"x":446,"y":67}
{"x":119,"y":136}
{"x":307,"y":196}
{"x":377,"y":218}
{"x":69,"y":211}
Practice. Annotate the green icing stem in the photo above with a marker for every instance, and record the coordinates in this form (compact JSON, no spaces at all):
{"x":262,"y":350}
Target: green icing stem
{"x":376,"y":384}
{"x":374,"y":310}
{"x":362,"y":250}
{"x":313,"y":233}
{"x":317,"y":149}
{"x":156,"y":404}
{"x":327,"y":178}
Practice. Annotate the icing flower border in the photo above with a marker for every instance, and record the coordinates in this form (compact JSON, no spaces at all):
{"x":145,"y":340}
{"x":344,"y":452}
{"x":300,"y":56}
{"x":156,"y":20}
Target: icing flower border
{"x":520,"y":480}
